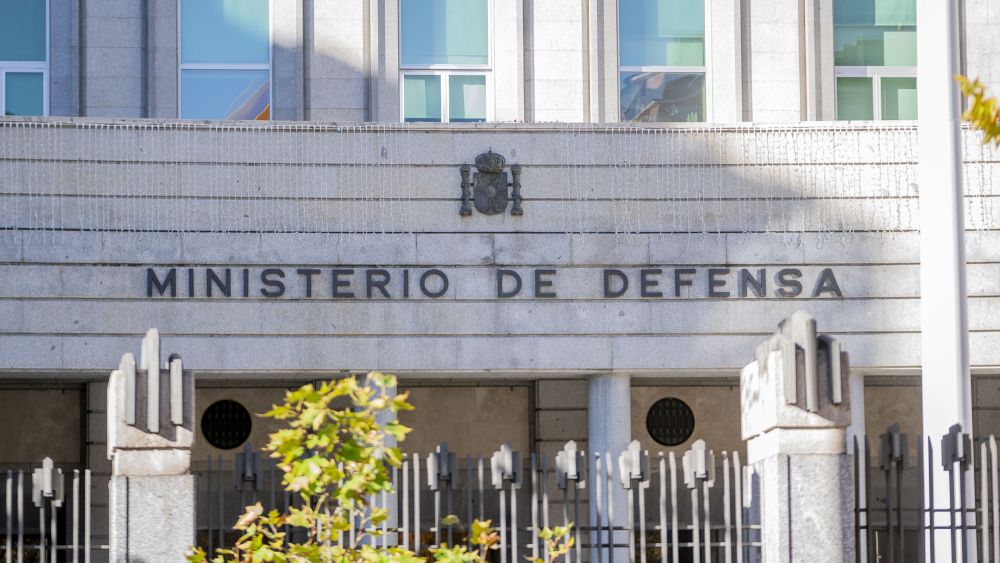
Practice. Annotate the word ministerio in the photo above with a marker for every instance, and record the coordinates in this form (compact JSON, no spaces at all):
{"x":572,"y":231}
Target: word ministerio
{"x":433,"y":283}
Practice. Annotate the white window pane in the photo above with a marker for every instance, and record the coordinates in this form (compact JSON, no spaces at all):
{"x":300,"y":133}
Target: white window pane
{"x":875,"y":32}
{"x":421,"y":98}
{"x":661,"y":32}
{"x":467,"y":98}
{"x":22,"y":30}
{"x":24,"y":93}
{"x":225,"y":94}
{"x":899,"y":98}
{"x":451,"y":32}
{"x":854,"y":99}
{"x":224,"y":31}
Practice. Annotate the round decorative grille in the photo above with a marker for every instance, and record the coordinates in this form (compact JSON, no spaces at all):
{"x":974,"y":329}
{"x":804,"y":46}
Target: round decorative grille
{"x":670,"y":421}
{"x":226,"y":424}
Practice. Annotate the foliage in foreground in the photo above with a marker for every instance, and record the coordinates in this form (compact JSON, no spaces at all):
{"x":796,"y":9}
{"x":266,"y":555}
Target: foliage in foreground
{"x":335,"y":459}
{"x":984,"y":112}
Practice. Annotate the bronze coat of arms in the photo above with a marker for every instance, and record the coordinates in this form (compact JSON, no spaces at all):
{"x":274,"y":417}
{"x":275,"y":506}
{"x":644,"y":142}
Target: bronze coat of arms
{"x":488,"y":188}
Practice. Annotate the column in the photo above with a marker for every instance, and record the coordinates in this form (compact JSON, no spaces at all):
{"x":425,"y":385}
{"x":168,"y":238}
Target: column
{"x":609,"y":431}
{"x":150,"y":433}
{"x":795,"y":413}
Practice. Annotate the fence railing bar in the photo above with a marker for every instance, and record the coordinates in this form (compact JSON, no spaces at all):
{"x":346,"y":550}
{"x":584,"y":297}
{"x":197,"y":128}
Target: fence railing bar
{"x":738,"y":504}
{"x":43,"y":528}
{"x":726,"y":516}
{"x":674,"y":517}
{"x":706,"y":485}
{"x":545,"y":504}
{"x":449,"y":491}
{"x":208,"y":508}
{"x":416,"y":504}
{"x":984,"y":494}
{"x":951,"y":513}
{"x":513,"y":520}
{"x":393,"y":512}
{"x":630,"y":502}
{"x":576,"y":518}
{"x":9,"y":515}
{"x":222,"y":504}
{"x":609,"y":468}
{"x":534,"y":505}
{"x":858,"y":508}
{"x":868,"y":492}
{"x":662,"y":506}
{"x":890,"y":530}
{"x":596,"y":498}
{"x":468,"y":499}
{"x":76,"y":516}
{"x":86,"y":515}
{"x":642,"y":519}
{"x":436,"y":523}
{"x":994,"y":470}
{"x":931,"y":522}
{"x":504,"y":534}
{"x":271,"y":470}
{"x":962,"y":516}
{"x":898,"y":473}
{"x":406,"y":502}
{"x":482,"y":488}
{"x":696,"y":523}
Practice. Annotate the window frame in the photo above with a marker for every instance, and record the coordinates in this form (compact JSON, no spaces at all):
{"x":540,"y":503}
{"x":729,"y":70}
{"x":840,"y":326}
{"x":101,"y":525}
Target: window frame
{"x":876,"y":73}
{"x":30,"y":67}
{"x":666,"y":69}
{"x":446,"y":71}
{"x":269,"y":67}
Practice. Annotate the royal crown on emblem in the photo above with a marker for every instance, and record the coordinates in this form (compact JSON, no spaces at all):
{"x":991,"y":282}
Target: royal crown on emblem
{"x":490,"y":163}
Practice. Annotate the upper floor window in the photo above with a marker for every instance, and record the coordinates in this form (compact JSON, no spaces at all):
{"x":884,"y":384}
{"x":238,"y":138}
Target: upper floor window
{"x":445,"y":60}
{"x":875,"y":53}
{"x":225,"y":59}
{"x":24,"y":57}
{"x":661,"y":57}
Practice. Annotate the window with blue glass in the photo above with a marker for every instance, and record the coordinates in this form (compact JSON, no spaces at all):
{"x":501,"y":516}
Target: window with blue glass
{"x":875,"y":57}
{"x":225,"y":59}
{"x":444,"y":60}
{"x":24,"y":57}
{"x":661,"y":58}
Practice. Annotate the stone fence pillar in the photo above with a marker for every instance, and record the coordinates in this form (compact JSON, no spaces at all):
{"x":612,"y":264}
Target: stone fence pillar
{"x":150,"y":432}
{"x":795,"y":414}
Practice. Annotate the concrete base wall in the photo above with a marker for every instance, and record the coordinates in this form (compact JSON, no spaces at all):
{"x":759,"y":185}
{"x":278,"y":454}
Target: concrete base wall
{"x":802,"y":520}
{"x":165,"y":537}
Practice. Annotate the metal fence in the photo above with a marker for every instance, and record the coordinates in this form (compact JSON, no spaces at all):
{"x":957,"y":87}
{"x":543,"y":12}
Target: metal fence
{"x":693,"y":507}
{"x":46,"y":515}
{"x":894,"y":517}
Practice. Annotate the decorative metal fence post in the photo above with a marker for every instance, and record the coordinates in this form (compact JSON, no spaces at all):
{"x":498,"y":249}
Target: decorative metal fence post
{"x":150,"y":432}
{"x":795,"y":412}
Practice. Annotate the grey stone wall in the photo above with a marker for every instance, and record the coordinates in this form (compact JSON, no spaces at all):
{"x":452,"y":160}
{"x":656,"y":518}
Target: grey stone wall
{"x":94,"y":205}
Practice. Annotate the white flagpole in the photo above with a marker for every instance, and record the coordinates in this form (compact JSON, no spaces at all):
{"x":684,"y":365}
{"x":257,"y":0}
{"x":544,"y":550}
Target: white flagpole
{"x":944,"y":323}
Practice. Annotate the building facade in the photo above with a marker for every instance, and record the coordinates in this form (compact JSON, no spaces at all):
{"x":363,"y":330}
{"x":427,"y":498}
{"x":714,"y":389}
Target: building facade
{"x":481,"y":197}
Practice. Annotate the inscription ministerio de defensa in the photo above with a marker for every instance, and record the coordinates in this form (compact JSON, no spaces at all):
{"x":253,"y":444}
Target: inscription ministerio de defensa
{"x":512,"y":283}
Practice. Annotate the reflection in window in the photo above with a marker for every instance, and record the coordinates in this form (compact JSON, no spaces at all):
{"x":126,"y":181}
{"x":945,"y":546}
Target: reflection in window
{"x":24,"y":63}
{"x":444,"y":56}
{"x":659,"y":96}
{"x":225,"y":59}
{"x":662,"y":60}
{"x":875,"y":53}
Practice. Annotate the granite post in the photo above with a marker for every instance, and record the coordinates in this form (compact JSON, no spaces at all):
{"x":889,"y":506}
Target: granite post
{"x":609,"y":431}
{"x":150,"y":433}
{"x":795,"y":415}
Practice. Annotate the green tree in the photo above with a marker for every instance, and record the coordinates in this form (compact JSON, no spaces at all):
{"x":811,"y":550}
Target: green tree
{"x":983,"y":112}
{"x":335,"y":459}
